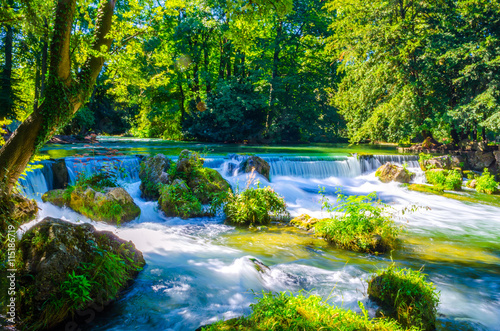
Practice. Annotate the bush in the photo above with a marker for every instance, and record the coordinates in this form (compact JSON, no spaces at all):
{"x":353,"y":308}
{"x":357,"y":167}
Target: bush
{"x":254,"y":206}
{"x":177,"y":200}
{"x":365,"y":225}
{"x":444,"y":179}
{"x":283,"y":311}
{"x":486,"y":183}
{"x":405,"y":295}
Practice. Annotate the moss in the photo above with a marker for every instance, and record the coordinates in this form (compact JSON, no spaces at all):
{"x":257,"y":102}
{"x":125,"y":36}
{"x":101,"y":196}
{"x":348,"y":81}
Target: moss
{"x":304,"y":221}
{"x":283,"y":311}
{"x":65,"y":267}
{"x":207,"y":183}
{"x":405,"y":295}
{"x":492,"y":200}
{"x":177,"y":200}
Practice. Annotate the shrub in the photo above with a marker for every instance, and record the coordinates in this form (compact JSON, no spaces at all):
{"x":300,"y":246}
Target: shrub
{"x":283,"y":311}
{"x":405,"y":295}
{"x":365,"y":225}
{"x":254,"y":206}
{"x":486,"y":183}
{"x":444,"y":179}
{"x":422,"y":157}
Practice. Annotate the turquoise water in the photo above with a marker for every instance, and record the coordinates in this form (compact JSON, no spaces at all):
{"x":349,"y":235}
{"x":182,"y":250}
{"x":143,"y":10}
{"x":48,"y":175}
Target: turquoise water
{"x":200,"y":270}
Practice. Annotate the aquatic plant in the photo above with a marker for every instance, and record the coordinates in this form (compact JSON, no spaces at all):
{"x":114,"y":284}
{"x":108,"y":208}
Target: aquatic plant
{"x":255,"y":206}
{"x":405,"y":295}
{"x":486,"y":183}
{"x":285,"y":311}
{"x":445,"y":179}
{"x":364,"y":226}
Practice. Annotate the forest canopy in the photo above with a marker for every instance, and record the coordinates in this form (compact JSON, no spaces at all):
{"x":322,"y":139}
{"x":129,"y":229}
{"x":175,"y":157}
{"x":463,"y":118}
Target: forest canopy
{"x":269,"y":71}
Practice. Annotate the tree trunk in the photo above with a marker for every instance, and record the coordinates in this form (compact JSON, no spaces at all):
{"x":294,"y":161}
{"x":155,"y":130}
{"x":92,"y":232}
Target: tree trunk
{"x":64,"y":94}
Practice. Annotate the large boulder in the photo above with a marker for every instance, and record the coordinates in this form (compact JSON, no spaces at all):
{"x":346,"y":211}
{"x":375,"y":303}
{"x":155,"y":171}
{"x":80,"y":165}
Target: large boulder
{"x":114,"y":205}
{"x":177,"y":200}
{"x":390,"y":172}
{"x":438,"y":162}
{"x":480,"y":160}
{"x":64,"y":268}
{"x":60,"y":173}
{"x":258,"y":164}
{"x":154,"y":173}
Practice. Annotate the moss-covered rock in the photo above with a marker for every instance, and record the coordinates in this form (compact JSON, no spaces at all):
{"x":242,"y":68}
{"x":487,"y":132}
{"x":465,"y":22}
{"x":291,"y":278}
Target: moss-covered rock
{"x":188,"y":163}
{"x":177,"y":200}
{"x":153,"y":173}
{"x":257,"y":163}
{"x":304,"y":221}
{"x":114,"y":205}
{"x":390,"y":172}
{"x":405,"y":295}
{"x":206,"y":184}
{"x":23,"y":209}
{"x":64,"y":267}
{"x":438,"y":162}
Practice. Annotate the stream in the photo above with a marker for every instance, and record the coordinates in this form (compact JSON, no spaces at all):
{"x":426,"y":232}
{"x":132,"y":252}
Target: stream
{"x":200,"y":270}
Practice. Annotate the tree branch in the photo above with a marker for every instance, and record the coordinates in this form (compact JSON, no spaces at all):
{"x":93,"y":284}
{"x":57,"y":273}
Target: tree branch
{"x":60,"y":64}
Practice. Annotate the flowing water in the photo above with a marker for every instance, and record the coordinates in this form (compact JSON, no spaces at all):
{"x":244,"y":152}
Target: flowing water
{"x":201,"y":270}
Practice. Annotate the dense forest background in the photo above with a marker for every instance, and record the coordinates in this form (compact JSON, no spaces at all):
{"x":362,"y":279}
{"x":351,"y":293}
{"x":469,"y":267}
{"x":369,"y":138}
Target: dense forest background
{"x":271,"y":71}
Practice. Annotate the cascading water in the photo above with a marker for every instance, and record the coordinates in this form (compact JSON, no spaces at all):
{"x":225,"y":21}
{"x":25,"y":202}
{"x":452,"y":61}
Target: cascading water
{"x":37,"y":181}
{"x":125,"y":168}
{"x":201,"y":270}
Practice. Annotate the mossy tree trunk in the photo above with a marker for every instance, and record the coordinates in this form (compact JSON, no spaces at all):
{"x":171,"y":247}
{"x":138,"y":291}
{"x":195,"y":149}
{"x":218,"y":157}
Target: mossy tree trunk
{"x":65,"y":92}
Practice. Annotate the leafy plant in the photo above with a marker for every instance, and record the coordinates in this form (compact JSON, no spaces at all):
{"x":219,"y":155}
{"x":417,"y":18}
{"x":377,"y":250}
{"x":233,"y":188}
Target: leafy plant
{"x":285,"y":311}
{"x":255,"y":206}
{"x":179,"y":201}
{"x":405,"y":295}
{"x":486,"y":183}
{"x":77,"y":288}
{"x":364,"y":226}
{"x":444,"y":179}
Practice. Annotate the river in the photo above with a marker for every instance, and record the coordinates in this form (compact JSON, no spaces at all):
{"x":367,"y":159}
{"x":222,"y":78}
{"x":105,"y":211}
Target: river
{"x":200,"y":270}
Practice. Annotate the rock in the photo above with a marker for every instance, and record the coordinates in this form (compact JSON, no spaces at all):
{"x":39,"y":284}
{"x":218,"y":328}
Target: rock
{"x":206,"y":183}
{"x":55,"y":256}
{"x":304,"y":221}
{"x":480,"y":160}
{"x":60,"y":172}
{"x":458,"y":161}
{"x":257,"y":163}
{"x":177,"y":200}
{"x":471,"y":183}
{"x":260,"y":266}
{"x":439,"y":162}
{"x":153,"y":172}
{"x":496,"y":154}
{"x":114,"y":205}
{"x":188,"y":161}
{"x":390,"y":172}
{"x":22,"y":210}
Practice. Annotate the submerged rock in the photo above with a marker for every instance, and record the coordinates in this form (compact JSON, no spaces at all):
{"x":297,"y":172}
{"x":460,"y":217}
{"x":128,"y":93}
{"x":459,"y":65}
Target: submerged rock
{"x":64,"y":268}
{"x":390,"y":172}
{"x":114,"y":205}
{"x":154,"y":173}
{"x":257,"y":163}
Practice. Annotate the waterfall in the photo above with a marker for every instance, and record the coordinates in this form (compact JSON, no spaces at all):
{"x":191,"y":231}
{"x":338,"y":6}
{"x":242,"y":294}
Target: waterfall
{"x":126,"y":168}
{"x":371,"y":163}
{"x":37,"y":181}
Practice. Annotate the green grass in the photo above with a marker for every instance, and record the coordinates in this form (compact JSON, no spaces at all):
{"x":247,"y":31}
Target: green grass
{"x":365,"y":225}
{"x":405,"y":295}
{"x":492,"y":200}
{"x":254,"y":206}
{"x":284,"y":311}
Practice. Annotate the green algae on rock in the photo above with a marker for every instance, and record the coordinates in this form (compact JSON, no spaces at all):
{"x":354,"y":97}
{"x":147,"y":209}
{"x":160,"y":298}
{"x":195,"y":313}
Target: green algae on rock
{"x":390,"y":172}
{"x":64,"y":267}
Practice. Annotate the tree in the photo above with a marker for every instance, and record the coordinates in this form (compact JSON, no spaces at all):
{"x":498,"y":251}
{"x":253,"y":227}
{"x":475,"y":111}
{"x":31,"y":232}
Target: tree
{"x":66,"y":90}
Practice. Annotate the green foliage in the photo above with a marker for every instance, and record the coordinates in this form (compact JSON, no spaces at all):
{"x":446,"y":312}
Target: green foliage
{"x":486,"y":183}
{"x":422,"y":157}
{"x":406,"y":295}
{"x":177,"y":200}
{"x":365,"y":225}
{"x":284,"y":311}
{"x":97,"y":181}
{"x":445,"y":179}
{"x":254,"y":206}
{"x":77,"y":288}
